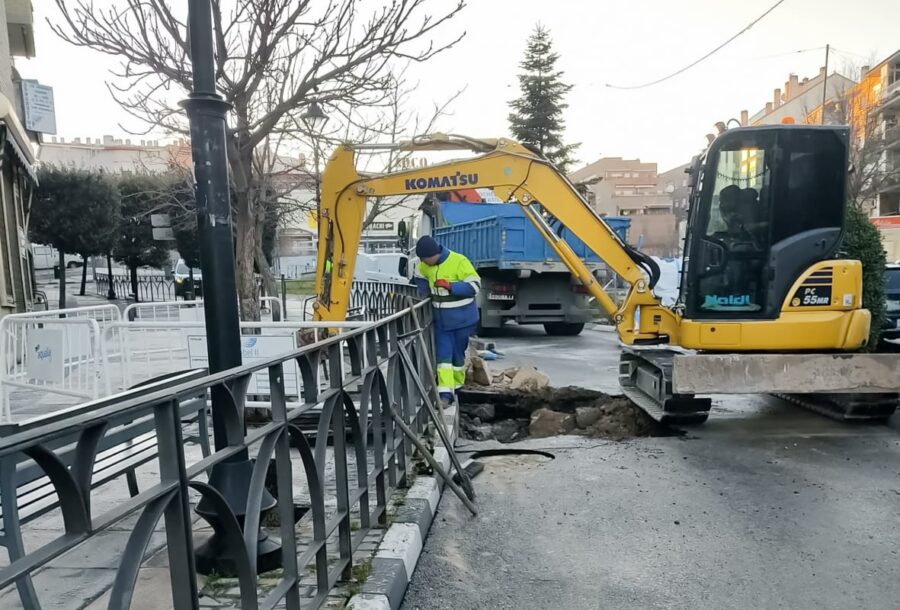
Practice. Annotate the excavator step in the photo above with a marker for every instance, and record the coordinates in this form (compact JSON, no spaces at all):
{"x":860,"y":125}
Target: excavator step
{"x":645,"y":376}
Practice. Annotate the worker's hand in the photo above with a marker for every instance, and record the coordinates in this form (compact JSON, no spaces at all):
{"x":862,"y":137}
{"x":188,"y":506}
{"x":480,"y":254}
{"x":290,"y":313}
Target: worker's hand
{"x":442,"y":284}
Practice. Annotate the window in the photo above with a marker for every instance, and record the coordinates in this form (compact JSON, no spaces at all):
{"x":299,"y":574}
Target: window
{"x":894,"y":74}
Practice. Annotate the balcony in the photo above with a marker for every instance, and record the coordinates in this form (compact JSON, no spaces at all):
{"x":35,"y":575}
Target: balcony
{"x":892,"y":137}
{"x":20,"y":27}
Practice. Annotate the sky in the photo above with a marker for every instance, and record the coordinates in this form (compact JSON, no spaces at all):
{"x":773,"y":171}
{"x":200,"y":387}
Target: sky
{"x":600,"y":42}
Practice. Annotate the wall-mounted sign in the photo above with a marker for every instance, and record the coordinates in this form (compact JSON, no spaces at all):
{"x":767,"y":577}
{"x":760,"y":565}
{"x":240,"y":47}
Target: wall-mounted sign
{"x":382,"y":226}
{"x":38,"y":106}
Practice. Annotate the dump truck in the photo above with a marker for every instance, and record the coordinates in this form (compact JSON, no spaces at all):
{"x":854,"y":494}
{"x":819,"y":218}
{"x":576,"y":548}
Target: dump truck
{"x":522,"y":278}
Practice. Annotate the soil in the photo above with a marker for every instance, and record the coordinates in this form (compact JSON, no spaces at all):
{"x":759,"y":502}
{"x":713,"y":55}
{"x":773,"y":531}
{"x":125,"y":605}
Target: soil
{"x":506,"y":415}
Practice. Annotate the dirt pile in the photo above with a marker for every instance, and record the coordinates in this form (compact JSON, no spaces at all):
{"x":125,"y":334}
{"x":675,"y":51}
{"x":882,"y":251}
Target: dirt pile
{"x":508,"y":415}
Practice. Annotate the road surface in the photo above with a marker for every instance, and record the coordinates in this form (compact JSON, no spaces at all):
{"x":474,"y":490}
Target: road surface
{"x":765,"y":506}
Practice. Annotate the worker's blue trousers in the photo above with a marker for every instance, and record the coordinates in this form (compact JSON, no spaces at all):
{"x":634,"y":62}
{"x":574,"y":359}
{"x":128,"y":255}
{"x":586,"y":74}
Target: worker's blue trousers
{"x":450,"y":346}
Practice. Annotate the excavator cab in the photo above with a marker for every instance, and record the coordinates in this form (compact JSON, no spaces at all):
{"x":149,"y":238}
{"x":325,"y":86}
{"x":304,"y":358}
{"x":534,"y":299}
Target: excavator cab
{"x":767,"y":204}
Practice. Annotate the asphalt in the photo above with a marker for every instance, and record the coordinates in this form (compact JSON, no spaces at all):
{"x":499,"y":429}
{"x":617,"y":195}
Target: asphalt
{"x":765,"y":506}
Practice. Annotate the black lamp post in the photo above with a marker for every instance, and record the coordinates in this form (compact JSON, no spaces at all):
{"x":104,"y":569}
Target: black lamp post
{"x":206,"y":112}
{"x":111,"y":293}
{"x":315,"y":120}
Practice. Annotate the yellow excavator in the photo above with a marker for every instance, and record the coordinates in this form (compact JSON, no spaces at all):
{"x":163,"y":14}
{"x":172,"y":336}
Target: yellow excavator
{"x":764,"y":305}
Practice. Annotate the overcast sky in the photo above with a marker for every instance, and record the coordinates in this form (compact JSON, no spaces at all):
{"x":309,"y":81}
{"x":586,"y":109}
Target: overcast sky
{"x":599,"y":42}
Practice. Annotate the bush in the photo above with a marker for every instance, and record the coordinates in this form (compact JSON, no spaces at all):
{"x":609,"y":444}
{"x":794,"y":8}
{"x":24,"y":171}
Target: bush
{"x":862,"y":242}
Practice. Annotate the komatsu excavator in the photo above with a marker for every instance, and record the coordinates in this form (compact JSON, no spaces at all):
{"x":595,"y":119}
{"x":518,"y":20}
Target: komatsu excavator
{"x":765,"y":306}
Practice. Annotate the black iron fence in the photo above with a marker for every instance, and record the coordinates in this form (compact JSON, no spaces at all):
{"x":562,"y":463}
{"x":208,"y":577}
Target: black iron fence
{"x":371,"y":300}
{"x":368,"y":384}
{"x":155,"y":287}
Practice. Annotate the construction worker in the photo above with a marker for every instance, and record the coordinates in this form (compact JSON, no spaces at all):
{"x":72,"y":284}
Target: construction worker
{"x":453,"y":283}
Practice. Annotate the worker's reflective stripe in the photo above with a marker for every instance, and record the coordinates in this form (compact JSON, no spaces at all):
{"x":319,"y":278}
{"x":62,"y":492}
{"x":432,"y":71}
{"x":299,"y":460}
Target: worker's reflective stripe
{"x":450,"y":304}
{"x":446,"y":377}
{"x":459,"y":376}
{"x":444,"y":390}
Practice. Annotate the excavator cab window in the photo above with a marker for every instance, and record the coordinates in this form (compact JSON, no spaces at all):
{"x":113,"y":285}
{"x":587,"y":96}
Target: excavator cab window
{"x":771,"y":203}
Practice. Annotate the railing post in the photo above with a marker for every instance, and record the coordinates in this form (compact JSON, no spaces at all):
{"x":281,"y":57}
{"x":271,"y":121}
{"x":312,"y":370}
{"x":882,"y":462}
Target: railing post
{"x":179,"y":536}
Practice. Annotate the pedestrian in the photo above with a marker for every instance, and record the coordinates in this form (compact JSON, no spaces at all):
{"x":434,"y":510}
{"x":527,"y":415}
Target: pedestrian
{"x":452,"y":282}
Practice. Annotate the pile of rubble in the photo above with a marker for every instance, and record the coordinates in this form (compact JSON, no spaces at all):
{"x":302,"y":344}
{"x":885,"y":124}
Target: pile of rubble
{"x":518,"y":402}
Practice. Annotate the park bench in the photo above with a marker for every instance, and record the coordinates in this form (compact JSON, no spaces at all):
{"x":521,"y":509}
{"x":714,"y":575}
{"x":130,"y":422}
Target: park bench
{"x":125,"y":445}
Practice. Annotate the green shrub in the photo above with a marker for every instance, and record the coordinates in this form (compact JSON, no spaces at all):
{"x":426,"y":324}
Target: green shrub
{"x":862,"y":241}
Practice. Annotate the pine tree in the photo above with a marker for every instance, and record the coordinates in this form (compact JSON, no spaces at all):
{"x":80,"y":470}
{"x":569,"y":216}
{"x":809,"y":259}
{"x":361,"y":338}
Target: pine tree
{"x":862,"y":241}
{"x":537,"y":116}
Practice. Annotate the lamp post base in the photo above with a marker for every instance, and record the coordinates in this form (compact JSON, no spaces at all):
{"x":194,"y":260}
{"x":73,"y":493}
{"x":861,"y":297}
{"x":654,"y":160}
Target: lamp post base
{"x":232,"y":480}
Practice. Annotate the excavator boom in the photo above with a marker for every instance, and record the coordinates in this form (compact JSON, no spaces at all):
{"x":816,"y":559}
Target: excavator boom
{"x":514,"y":173}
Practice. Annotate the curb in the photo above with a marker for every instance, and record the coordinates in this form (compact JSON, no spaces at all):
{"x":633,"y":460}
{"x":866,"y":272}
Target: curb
{"x":399,"y":550}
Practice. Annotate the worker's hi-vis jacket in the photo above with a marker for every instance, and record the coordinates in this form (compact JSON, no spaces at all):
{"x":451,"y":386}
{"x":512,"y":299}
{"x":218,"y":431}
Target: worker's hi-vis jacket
{"x":454,"y":308}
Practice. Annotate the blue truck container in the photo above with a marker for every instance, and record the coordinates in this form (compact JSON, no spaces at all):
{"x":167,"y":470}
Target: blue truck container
{"x":522,"y":278}
{"x":499,"y":235}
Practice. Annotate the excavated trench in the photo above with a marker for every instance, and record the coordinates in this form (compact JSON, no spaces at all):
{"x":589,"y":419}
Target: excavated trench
{"x":507,"y":415}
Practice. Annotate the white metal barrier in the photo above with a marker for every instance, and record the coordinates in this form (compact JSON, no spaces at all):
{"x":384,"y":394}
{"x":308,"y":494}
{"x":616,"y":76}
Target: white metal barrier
{"x":60,"y":356}
{"x":96,"y":351}
{"x":185,"y":311}
{"x":152,"y":348}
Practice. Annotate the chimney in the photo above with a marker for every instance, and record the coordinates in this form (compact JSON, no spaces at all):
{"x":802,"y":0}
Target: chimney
{"x":863,"y":71}
{"x":822,"y":71}
{"x":107,"y":139}
{"x":768,"y":107}
{"x":745,"y":118}
{"x":776,"y":98}
{"x":53,"y":140}
{"x":128,"y":142}
{"x":790,"y":88}
{"x":143,"y":142}
{"x":76,"y":141}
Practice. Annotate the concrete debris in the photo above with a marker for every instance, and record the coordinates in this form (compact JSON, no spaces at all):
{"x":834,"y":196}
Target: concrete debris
{"x":484,"y":412}
{"x":545,"y":422}
{"x":529,"y":379}
{"x":507,"y":415}
{"x":478,"y":372}
{"x":586,"y":416}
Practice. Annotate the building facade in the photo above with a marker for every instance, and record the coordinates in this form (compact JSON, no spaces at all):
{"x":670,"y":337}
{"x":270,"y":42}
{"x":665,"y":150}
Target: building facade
{"x":17,"y":178}
{"x":630,"y":187}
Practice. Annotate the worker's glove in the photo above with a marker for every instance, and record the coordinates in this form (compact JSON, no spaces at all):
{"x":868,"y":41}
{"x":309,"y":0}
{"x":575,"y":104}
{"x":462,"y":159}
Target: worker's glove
{"x":442,"y":284}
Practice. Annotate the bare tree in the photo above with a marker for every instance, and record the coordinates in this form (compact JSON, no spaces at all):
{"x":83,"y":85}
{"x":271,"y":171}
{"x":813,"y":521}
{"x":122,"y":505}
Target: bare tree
{"x":402,"y":123}
{"x":273,"y":58}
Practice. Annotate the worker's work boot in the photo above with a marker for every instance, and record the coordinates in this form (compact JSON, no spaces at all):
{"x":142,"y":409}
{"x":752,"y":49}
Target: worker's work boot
{"x":446,"y":402}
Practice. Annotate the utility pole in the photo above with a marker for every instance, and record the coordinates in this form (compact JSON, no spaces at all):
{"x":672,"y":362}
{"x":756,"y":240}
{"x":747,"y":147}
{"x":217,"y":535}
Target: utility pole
{"x":825,"y":83}
{"x":206,"y":112}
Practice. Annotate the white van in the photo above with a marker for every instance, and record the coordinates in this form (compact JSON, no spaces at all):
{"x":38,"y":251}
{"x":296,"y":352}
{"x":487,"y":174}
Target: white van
{"x":47,"y":257}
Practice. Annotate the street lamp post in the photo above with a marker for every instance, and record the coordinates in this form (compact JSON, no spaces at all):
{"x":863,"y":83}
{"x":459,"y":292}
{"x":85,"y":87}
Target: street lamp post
{"x":206,"y":112}
{"x":315,"y":120}
{"x":111,"y":293}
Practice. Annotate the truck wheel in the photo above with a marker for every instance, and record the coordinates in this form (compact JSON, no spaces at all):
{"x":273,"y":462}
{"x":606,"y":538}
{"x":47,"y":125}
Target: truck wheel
{"x":563,"y":329}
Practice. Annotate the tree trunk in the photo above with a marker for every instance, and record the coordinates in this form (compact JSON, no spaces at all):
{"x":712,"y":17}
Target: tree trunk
{"x":134,"y":282}
{"x":247,"y":244}
{"x":62,"y":279}
{"x":84,"y":258}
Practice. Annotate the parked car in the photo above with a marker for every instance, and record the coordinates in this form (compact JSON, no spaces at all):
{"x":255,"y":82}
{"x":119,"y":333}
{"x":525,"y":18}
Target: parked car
{"x":47,"y":257}
{"x":181,"y":273}
{"x":890,"y":336}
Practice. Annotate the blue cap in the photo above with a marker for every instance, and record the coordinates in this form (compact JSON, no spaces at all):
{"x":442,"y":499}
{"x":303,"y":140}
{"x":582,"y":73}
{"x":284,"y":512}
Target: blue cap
{"x":426,"y":247}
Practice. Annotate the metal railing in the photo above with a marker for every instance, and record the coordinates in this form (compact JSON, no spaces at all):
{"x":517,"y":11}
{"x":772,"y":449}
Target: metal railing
{"x":363,"y":474}
{"x":371,"y":300}
{"x":150,"y":287}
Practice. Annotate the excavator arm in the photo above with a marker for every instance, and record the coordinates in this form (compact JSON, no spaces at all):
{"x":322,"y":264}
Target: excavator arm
{"x":515,"y":174}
